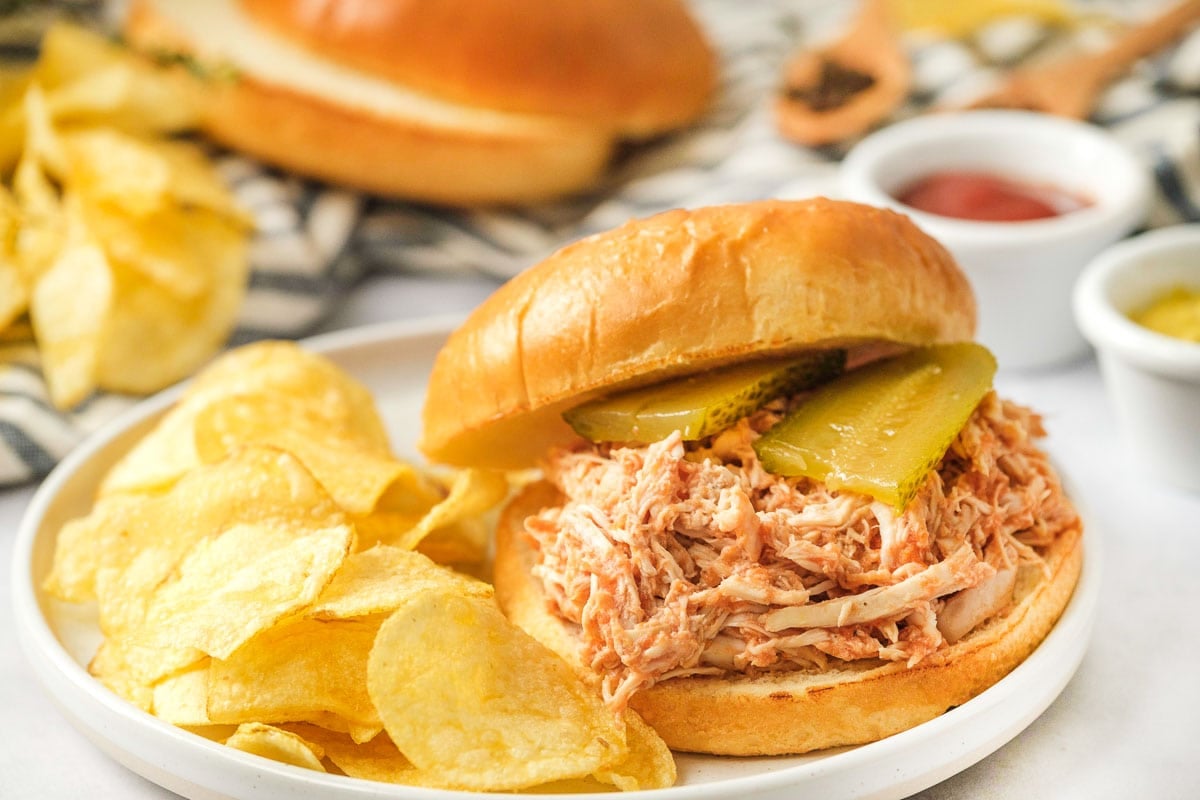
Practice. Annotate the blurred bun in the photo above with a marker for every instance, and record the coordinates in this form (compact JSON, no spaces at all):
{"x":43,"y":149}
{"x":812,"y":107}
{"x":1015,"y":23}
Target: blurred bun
{"x":447,"y":101}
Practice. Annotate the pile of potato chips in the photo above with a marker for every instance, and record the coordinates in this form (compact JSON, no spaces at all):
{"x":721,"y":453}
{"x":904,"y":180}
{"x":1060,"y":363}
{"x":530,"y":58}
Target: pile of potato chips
{"x":121,"y":251}
{"x":266,"y":573}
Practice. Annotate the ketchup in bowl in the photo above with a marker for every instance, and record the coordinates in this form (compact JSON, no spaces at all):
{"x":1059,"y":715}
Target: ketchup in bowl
{"x":985,"y":197}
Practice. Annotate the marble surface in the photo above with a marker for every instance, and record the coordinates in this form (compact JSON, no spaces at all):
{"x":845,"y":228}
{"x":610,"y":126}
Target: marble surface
{"x":1128,"y":724}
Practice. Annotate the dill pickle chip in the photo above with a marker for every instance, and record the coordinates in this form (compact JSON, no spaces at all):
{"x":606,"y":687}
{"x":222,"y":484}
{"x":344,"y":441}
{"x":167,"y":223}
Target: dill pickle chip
{"x":700,"y":405}
{"x":878,"y":430}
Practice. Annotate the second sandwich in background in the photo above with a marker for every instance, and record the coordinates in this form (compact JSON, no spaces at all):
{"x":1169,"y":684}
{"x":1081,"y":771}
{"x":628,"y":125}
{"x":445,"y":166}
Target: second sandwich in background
{"x":447,"y":101}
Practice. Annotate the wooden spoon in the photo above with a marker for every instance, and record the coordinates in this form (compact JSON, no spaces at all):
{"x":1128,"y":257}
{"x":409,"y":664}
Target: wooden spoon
{"x":1069,"y":88}
{"x":842,"y":90}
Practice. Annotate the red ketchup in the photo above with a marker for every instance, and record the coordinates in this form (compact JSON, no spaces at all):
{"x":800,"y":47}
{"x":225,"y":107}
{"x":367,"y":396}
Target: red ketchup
{"x":985,"y":197}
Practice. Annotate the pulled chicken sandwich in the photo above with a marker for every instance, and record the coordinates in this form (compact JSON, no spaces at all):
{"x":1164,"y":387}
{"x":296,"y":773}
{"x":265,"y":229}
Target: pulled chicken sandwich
{"x":780,"y":507}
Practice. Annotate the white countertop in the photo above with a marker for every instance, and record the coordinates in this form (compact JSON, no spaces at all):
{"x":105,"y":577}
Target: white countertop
{"x":1128,"y":724}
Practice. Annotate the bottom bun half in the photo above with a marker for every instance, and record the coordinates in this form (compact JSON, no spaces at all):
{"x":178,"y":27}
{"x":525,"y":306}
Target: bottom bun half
{"x":796,"y":712}
{"x":403,"y":158}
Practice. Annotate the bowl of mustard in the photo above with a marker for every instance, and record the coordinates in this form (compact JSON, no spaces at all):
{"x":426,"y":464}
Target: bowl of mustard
{"x":1138,"y":304}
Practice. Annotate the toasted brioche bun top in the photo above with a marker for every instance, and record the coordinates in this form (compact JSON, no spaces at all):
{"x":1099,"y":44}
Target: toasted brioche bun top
{"x":640,"y":66}
{"x":677,"y":293}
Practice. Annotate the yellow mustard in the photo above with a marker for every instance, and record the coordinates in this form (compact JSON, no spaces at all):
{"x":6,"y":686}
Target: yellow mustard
{"x":1175,"y":313}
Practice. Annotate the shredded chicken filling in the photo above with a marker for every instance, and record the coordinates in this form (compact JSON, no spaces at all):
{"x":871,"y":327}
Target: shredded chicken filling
{"x":685,"y":558}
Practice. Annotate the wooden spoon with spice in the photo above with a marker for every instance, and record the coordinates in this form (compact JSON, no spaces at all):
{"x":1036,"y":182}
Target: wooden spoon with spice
{"x":1070,"y":87}
{"x":842,"y":90}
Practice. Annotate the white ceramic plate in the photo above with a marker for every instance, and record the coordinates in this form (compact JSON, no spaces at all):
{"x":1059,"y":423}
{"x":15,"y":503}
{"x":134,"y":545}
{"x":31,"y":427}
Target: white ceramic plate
{"x":393,"y":360}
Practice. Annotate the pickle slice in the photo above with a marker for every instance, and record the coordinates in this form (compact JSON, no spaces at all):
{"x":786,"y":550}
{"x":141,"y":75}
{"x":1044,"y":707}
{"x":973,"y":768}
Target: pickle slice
{"x":700,"y":405}
{"x":878,"y":430}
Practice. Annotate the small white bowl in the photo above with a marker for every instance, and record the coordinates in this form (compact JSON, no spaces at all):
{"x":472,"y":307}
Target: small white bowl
{"x":1022,"y":272}
{"x":1153,"y":379}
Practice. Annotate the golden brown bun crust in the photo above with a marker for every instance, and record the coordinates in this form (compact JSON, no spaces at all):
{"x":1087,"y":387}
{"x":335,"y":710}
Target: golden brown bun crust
{"x":386,"y":157}
{"x":678,"y":292}
{"x":405,"y":158}
{"x":797,"y":712}
{"x":639,"y":67}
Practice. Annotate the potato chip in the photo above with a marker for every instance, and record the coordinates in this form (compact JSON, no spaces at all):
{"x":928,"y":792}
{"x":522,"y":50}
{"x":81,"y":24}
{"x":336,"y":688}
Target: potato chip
{"x":288,"y":368}
{"x":70,"y":307}
{"x":376,"y":760}
{"x":386,"y":527}
{"x":256,"y":485}
{"x":353,"y":467}
{"x":214,"y":733}
{"x":360,"y":733}
{"x":43,"y":227}
{"x":242,"y":581}
{"x":154,"y":212}
{"x":79,"y":549}
{"x":69,"y":53}
{"x":109,"y":666}
{"x":473,"y":492}
{"x":14,"y":298}
{"x":9,"y":222}
{"x":339,"y":726}
{"x":300,"y":671}
{"x":125,"y":596}
{"x":14,"y":81}
{"x":87,"y":51}
{"x":186,"y":331}
{"x":90,"y":79}
{"x":161,"y":457}
{"x":451,"y":531}
{"x":379,"y":580}
{"x":131,"y":97}
{"x":196,"y":185}
{"x":172,"y":249}
{"x":234,"y":589}
{"x":182,"y":698}
{"x":179,"y":249}
{"x":42,"y":143}
{"x":277,"y":745}
{"x":466,"y":694}
{"x":114,"y":167}
{"x":252,"y":539}
{"x":139,"y":176}
{"x":16,"y":338}
{"x":158,"y":459}
{"x":649,"y":764}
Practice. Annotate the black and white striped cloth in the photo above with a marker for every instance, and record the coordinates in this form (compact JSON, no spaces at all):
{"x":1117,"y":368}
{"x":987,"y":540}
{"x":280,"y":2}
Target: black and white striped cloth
{"x":314,"y":242}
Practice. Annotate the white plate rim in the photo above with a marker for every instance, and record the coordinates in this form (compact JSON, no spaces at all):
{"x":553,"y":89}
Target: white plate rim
{"x":957,"y":739}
